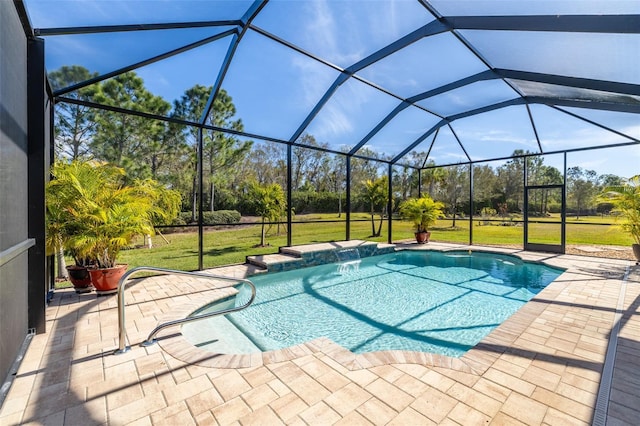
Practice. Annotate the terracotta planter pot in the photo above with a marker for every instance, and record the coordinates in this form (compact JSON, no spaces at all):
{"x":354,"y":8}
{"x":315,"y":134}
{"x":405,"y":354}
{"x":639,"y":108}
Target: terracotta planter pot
{"x":106,"y":280}
{"x":636,"y":251}
{"x":423,"y":237}
{"x":80,"y":278}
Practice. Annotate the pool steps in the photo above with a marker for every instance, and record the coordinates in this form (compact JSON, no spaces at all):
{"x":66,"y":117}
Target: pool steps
{"x":296,"y":257}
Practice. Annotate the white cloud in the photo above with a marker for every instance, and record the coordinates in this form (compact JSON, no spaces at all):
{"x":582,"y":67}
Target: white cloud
{"x":323,"y":31}
{"x":586,"y":137}
{"x":624,"y":161}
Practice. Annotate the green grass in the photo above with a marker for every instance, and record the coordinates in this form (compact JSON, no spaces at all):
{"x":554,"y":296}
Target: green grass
{"x":593,"y":230}
{"x":231,"y":245}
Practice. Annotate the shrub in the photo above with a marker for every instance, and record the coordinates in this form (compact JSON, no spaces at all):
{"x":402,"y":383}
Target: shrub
{"x":180,"y":220}
{"x":184,"y":218}
{"x":218,"y":217}
{"x":221,"y":217}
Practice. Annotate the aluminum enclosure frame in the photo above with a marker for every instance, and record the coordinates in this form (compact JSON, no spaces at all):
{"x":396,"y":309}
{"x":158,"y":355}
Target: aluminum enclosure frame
{"x":616,"y":24}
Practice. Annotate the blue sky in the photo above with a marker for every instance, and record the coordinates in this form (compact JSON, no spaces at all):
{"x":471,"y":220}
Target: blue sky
{"x":275,"y":88}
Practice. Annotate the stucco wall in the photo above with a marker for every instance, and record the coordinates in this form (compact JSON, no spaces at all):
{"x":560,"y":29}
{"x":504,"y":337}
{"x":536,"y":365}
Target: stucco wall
{"x":14,"y":238}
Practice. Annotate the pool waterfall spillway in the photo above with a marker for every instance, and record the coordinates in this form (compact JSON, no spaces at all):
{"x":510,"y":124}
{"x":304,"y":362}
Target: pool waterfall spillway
{"x":122,"y":345}
{"x":348,"y":260}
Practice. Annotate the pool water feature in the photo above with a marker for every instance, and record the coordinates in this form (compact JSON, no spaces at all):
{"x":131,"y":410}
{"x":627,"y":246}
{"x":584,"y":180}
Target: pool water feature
{"x":428,"y":301}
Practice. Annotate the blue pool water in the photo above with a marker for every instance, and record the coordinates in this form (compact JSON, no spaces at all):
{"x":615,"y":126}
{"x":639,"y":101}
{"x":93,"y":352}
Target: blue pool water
{"x":439,"y":302}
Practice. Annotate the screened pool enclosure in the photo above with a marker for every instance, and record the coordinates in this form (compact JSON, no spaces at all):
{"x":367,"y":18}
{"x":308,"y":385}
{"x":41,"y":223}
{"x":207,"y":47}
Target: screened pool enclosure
{"x":513,"y":114}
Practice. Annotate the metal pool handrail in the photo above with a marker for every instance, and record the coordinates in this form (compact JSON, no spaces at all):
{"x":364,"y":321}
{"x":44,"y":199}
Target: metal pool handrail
{"x":122,"y":347}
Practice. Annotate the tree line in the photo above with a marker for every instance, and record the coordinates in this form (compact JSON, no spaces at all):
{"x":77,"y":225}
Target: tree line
{"x":232,"y":165}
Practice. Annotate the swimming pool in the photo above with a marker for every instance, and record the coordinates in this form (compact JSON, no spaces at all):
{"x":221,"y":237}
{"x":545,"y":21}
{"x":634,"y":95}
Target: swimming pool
{"x":438,"y":302}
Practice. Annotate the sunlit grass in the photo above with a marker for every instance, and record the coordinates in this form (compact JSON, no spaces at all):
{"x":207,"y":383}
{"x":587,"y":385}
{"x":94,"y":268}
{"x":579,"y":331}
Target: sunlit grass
{"x":593,"y":230}
{"x":231,"y":245}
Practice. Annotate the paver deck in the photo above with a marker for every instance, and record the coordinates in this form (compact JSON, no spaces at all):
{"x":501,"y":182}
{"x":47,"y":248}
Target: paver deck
{"x":544,"y":365}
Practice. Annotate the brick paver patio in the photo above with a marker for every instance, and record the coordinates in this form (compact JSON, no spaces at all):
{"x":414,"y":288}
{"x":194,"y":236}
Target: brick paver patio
{"x":542,"y":366}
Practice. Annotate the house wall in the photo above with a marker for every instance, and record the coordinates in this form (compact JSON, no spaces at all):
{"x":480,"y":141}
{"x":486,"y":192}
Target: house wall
{"x":21,"y":230}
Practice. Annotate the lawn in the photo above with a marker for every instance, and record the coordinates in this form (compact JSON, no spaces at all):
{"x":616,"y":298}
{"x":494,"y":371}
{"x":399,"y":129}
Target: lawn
{"x":588,"y":230}
{"x":231,"y":245}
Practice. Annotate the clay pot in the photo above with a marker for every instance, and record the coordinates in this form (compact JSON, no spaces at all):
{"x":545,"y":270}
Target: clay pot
{"x":423,"y":237}
{"x":80,"y":278}
{"x":105,"y":280}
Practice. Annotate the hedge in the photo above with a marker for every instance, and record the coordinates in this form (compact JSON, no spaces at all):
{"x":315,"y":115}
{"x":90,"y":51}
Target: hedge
{"x":210,"y":218}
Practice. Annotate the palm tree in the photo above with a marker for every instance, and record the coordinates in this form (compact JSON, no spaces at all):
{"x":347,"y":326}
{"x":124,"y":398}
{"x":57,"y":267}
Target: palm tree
{"x":432,"y":176}
{"x":269,"y":203}
{"x":626,"y":202}
{"x":376,"y":195}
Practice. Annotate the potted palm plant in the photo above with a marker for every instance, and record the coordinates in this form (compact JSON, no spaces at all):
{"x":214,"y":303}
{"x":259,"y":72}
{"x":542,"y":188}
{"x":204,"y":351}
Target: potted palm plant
{"x":104,"y":214}
{"x":113,"y":217}
{"x":64,"y":195}
{"x":423,"y":212}
{"x":626,"y":202}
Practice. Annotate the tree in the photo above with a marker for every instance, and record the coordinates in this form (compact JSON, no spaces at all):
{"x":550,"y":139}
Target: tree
{"x":364,"y":169}
{"x":55,"y":235}
{"x":267,"y":163}
{"x":221,"y":151}
{"x":581,"y":187}
{"x":534,"y":170}
{"x":376,"y":194}
{"x":608,"y":180}
{"x":269,"y":203}
{"x":540,"y":174}
{"x":510,"y":178}
{"x":412,"y":178}
{"x":123,"y":139}
{"x":337,"y":178}
{"x":485,"y":182}
{"x":71,"y":185}
{"x":432,"y":176}
{"x":74,"y":124}
{"x":455,"y":186}
{"x":165,"y":203}
{"x":323,"y":177}
{"x":306,"y":163}
{"x":550,"y":176}
{"x":190,"y":107}
{"x":165,"y":151}
{"x":403,"y":181}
